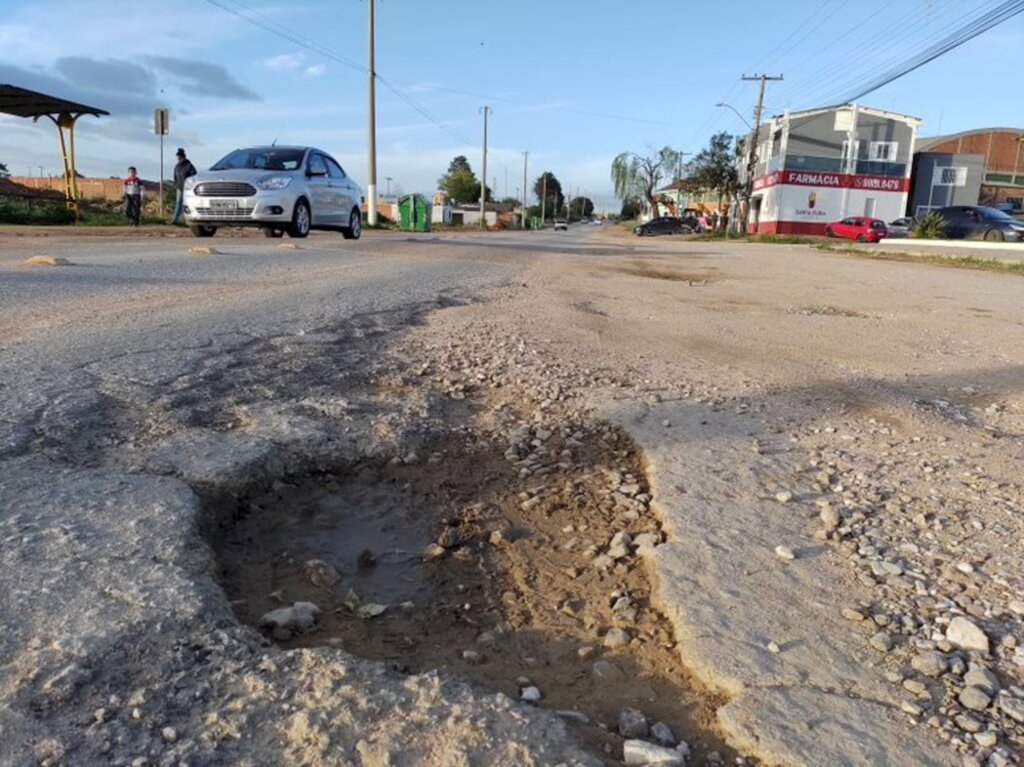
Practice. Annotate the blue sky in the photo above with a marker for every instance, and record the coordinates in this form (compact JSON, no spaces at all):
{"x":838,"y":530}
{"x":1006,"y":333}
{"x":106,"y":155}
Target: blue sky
{"x":573,"y":82}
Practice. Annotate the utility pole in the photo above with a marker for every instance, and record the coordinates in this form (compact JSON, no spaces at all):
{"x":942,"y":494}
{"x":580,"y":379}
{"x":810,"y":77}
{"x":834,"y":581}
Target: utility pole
{"x":752,"y":149}
{"x":543,"y":198}
{"x":483,"y":176}
{"x":371,"y":186}
{"x":388,"y":179}
{"x":526,"y":194}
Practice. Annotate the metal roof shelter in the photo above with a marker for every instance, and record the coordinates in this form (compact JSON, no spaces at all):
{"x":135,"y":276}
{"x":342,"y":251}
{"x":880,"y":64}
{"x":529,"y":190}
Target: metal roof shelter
{"x":22,"y":102}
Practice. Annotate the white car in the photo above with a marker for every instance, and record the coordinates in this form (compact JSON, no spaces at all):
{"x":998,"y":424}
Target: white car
{"x":563,"y":225}
{"x":277,"y":188}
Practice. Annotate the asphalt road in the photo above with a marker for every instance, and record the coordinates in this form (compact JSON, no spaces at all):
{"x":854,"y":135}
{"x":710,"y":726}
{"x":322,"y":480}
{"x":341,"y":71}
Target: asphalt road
{"x":125,"y":294}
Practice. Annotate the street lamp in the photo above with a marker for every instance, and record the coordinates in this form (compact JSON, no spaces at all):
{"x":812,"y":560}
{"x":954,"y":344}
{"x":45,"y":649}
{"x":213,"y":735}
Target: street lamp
{"x":730,"y":106}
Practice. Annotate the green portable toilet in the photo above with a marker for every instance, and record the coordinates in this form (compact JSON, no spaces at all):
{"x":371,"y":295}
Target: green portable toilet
{"x":414,"y":213}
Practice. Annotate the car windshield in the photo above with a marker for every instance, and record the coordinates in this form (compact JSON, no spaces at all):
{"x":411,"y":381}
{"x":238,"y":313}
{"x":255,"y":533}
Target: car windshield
{"x":993,"y":213}
{"x":262,"y":159}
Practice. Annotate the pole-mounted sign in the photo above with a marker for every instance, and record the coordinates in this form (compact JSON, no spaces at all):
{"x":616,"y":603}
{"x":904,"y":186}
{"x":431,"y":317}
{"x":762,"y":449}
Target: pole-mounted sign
{"x":161,"y":126}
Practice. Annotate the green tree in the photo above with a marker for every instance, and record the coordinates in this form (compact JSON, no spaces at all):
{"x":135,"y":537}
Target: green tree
{"x":631,"y":208}
{"x":512,"y":201}
{"x":581,"y":207}
{"x":460,"y":185}
{"x":459,"y":165}
{"x":546,"y":183}
{"x":4,"y":173}
{"x":714,"y":168}
{"x":640,"y":175}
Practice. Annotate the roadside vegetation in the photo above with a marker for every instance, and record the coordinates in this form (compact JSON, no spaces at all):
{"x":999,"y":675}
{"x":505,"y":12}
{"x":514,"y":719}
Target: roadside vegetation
{"x":930,"y":226}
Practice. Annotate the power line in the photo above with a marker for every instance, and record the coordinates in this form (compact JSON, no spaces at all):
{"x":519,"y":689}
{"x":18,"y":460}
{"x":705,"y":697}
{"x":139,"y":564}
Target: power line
{"x":983,"y":23}
{"x":887,"y":51}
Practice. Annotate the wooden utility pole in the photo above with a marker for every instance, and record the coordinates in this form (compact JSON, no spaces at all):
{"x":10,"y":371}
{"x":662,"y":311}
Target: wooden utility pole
{"x":526,"y":195}
{"x":371,"y":185}
{"x":483,"y":176}
{"x":752,"y":149}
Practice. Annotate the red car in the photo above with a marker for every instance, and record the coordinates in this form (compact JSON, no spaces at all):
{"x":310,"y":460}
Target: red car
{"x":859,"y":228}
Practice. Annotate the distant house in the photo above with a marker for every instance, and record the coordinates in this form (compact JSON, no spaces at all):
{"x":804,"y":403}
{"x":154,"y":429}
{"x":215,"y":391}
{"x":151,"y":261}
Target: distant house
{"x":494,"y":213}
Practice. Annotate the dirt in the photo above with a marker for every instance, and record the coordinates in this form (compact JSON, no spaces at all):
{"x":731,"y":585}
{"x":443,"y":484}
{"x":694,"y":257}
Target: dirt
{"x":513,"y":597}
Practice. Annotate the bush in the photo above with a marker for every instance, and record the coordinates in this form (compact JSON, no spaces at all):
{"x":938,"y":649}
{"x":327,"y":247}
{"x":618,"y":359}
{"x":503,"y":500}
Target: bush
{"x":930,"y":226}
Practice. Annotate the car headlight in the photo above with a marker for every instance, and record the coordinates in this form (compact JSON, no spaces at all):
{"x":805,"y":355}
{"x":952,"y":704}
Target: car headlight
{"x":275,"y":182}
{"x":190,"y":183}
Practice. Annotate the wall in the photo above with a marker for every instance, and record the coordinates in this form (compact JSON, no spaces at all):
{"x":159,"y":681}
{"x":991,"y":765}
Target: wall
{"x":927,"y":191}
{"x":88,"y":188}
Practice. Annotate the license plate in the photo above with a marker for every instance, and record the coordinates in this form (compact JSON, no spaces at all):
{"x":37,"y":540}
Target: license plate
{"x":223,"y":204}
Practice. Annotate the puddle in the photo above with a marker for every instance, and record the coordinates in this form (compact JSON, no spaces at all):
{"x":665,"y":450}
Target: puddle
{"x":517,"y":589}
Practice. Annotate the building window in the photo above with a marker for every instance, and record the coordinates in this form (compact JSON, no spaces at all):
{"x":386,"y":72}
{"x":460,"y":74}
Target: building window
{"x":950,"y":176}
{"x":883,"y":151}
{"x":846,"y":150}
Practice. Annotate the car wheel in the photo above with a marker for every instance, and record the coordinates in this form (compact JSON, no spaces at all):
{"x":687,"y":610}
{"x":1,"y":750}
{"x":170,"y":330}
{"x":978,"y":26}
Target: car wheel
{"x":198,"y":230}
{"x":355,"y":226}
{"x":829,"y":232}
{"x":861,"y":238}
{"x":273,"y":232}
{"x":994,"y":235}
{"x":299,"y":226}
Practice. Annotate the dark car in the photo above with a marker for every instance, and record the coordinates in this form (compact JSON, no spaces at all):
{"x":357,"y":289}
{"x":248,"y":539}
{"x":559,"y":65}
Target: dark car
{"x":663,"y":225}
{"x":979,"y":222}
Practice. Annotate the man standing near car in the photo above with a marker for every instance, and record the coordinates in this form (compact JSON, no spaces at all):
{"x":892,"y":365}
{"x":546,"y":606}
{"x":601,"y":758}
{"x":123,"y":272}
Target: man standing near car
{"x":182,"y":170}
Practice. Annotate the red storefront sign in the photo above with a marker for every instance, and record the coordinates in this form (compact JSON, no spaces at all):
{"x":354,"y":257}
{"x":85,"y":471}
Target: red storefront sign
{"x":833,"y":180}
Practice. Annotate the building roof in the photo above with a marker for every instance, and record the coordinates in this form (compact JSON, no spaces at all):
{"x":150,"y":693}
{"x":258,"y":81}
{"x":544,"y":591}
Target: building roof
{"x":922,"y":144}
{"x":860,"y":108}
{"x":22,"y":102}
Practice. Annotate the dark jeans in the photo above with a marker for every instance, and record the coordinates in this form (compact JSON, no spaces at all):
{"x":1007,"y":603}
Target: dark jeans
{"x":133,"y":207}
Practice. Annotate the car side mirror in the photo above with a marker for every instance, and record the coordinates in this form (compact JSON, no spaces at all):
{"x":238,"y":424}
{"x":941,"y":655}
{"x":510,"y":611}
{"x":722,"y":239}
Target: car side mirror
{"x":316,"y":172}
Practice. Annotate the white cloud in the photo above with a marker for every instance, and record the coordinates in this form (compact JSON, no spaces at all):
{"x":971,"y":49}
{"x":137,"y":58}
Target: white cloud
{"x":316,"y":70}
{"x":285,"y":62}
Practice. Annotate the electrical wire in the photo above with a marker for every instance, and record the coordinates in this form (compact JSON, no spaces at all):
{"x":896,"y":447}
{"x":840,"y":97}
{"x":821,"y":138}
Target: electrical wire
{"x":830,"y":89}
{"x":982,"y":24}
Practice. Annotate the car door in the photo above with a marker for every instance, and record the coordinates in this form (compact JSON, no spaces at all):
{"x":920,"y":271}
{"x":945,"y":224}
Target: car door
{"x":845,"y":228}
{"x":319,"y":185}
{"x":974,"y":224}
{"x":343,"y":190}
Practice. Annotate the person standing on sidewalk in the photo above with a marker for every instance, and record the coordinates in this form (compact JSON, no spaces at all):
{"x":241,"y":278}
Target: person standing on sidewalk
{"x":182,"y":170}
{"x":133,"y":196}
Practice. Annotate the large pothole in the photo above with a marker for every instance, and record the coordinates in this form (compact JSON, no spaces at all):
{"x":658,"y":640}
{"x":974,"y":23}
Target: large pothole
{"x":514,"y":560}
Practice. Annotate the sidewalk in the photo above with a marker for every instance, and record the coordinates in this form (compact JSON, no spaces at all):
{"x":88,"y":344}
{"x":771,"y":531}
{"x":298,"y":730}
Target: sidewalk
{"x":1006,"y":251}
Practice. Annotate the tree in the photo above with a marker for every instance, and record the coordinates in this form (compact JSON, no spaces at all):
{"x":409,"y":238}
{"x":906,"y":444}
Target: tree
{"x":511,"y":202}
{"x":459,"y":165}
{"x":552,"y":187}
{"x":460,"y":184}
{"x":4,"y":173}
{"x":639,"y":176}
{"x":631,"y":208}
{"x":581,"y":207}
{"x":714,"y":168}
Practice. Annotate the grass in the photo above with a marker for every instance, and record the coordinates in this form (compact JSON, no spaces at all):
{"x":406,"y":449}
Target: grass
{"x":44,"y":212}
{"x":958,"y":262}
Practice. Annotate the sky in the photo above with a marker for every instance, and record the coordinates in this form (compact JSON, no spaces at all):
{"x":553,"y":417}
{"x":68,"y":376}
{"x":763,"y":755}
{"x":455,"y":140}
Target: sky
{"x":574,"y":83}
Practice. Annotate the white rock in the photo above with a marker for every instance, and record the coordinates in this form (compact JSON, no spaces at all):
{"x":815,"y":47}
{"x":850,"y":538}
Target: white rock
{"x":784,"y":496}
{"x":974,"y":699}
{"x":616,"y":638}
{"x":964,"y":633}
{"x":297,"y":618}
{"x":644,"y":753}
{"x":530,"y":694}
{"x":784,"y":552}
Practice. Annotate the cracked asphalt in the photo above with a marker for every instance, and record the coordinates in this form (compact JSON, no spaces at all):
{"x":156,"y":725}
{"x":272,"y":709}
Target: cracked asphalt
{"x":889,"y":393}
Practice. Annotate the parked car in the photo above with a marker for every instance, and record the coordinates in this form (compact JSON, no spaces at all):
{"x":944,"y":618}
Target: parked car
{"x":277,"y":188}
{"x":561,"y":225}
{"x":663,"y":225}
{"x":900,"y":227}
{"x":859,"y":228}
{"x":979,"y":222}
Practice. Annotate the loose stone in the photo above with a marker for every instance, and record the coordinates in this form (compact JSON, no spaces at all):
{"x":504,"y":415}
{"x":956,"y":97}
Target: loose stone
{"x":964,"y":633}
{"x":643,"y":753}
{"x":530,"y":694}
{"x":632,"y":723}
{"x":974,"y":699}
{"x":663,"y":735}
{"x":881,"y":641}
{"x":784,"y":552}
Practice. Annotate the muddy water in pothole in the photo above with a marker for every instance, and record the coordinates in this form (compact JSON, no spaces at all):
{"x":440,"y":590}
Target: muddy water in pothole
{"x":515,"y":585}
